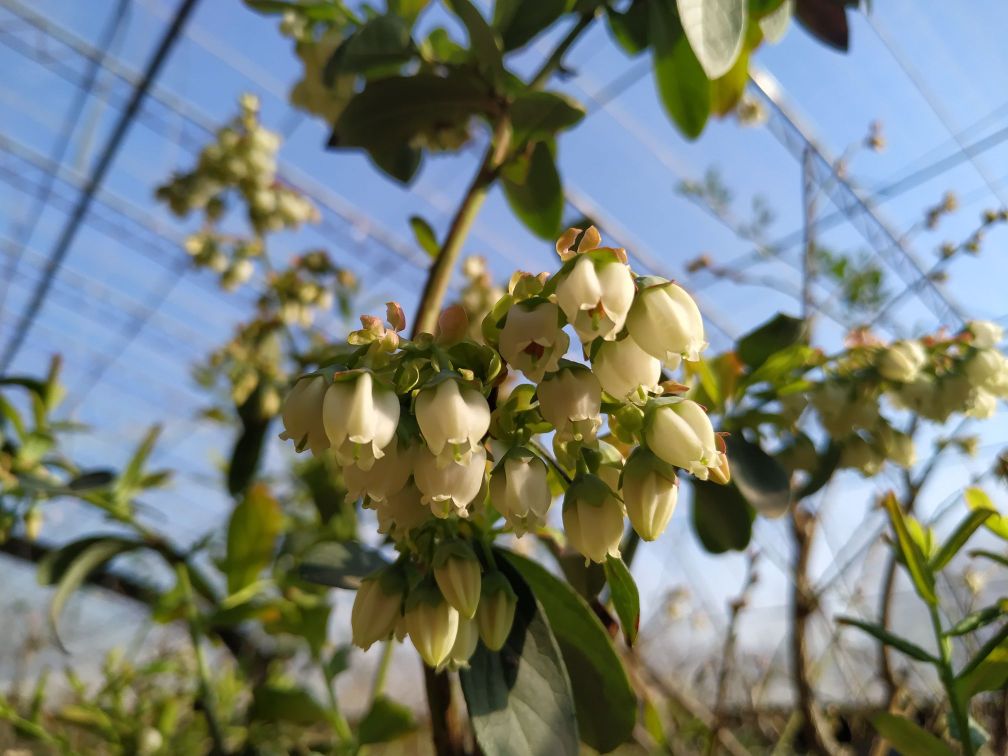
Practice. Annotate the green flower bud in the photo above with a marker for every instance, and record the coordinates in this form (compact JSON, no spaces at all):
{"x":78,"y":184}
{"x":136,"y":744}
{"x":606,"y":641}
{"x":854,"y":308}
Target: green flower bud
{"x":496,"y":610}
{"x":650,"y":491}
{"x":593,"y":518}
{"x":376,"y":607}
{"x":465,"y":643}
{"x":457,"y":573}
{"x":432,"y":624}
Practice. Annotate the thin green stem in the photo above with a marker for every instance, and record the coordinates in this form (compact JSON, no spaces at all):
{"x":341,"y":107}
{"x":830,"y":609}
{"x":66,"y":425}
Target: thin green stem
{"x":381,"y":674}
{"x":206,"y":693}
{"x":555,"y":60}
{"x":959,"y":712}
{"x":339,"y":722}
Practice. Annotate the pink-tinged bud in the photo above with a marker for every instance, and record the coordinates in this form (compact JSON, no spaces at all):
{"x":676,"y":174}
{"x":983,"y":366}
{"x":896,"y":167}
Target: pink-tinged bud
{"x":625,"y":370}
{"x":593,"y":518}
{"x":395,"y":316}
{"x":377,"y":607}
{"x":665,"y":321}
{"x":302,"y":414}
{"x":496,"y":610}
{"x":432,"y":624}
{"x":453,"y":419}
{"x":458,"y":575}
{"x":650,"y":491}
{"x":532,"y":340}
{"x":452,"y":325}
{"x":680,"y":432}
{"x":360,"y":418}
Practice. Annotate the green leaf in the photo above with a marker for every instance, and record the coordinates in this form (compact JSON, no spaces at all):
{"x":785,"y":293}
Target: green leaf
{"x":779,"y":332}
{"x":997,"y":558}
{"x":391,"y":114}
{"x":630,"y":28}
{"x":381,"y":46}
{"x":759,"y":477}
{"x":886,"y":638}
{"x":606,"y":703}
{"x":539,"y":115}
{"x":485,"y":45}
{"x":980,"y":618}
{"x":682,"y":84}
{"x":340,"y":564}
{"x":587,"y":579}
{"x":828,"y":462}
{"x":72,"y":567}
{"x":246,"y":453}
{"x":518,"y":21}
{"x":959,"y":537}
{"x":826,"y":20}
{"x":90,"y":480}
{"x":538,"y":200}
{"x":384,"y":722}
{"x":909,"y":738}
{"x":625,"y":597}
{"x":321,"y":10}
{"x":914,"y":560}
{"x":271,"y":703}
{"x":989,"y":674}
{"x":781,"y":366}
{"x":129,"y":481}
{"x":722,"y":518}
{"x":715,"y":30}
{"x":977,"y":498}
{"x":520,"y":698}
{"x":774,"y":24}
{"x":424,"y":235}
{"x":254,"y":526}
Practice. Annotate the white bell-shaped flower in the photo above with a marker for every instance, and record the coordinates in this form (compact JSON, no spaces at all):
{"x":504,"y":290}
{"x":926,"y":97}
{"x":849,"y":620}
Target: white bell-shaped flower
{"x":432,"y":624}
{"x":625,"y":370}
{"x":449,"y":488}
{"x":985,"y":333}
{"x":987,"y":369}
{"x":571,"y":400}
{"x":360,"y":419}
{"x":453,"y":420}
{"x":386,"y":476}
{"x":519,"y":490}
{"x":650,"y":491}
{"x":901,"y":361}
{"x":593,"y":518}
{"x":302,"y":414}
{"x":666,"y":322}
{"x":681,"y":434}
{"x":532,"y":339}
{"x":595,"y":295}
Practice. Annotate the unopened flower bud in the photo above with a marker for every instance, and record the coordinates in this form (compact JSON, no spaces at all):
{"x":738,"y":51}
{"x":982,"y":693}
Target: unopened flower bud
{"x":593,"y":518}
{"x":449,"y":487}
{"x":453,"y":419}
{"x":650,"y":491}
{"x":302,"y":414}
{"x":376,"y":607}
{"x":465,"y":643}
{"x":432,"y":624}
{"x":596,"y":294}
{"x":458,"y":575}
{"x":901,"y":361}
{"x":519,"y":490}
{"x":987,"y":369}
{"x":532,"y":340}
{"x":666,"y":323}
{"x":625,"y":370}
{"x":496,"y":612}
{"x":570,"y":400}
{"x":360,"y":418}
{"x":680,"y":433}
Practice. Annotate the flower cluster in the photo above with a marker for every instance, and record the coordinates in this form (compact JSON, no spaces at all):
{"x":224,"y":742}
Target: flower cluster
{"x":432,"y":437}
{"x":242,"y":161}
{"x":933,"y":379}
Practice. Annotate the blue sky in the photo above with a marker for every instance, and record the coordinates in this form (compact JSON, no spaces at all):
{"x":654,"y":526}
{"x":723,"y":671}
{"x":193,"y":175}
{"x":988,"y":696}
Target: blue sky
{"x":625,"y":158}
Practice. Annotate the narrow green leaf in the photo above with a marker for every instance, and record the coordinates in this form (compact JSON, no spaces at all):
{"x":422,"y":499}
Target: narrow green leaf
{"x":722,"y":518}
{"x":520,"y":699}
{"x":246,"y":454}
{"x":630,"y":28}
{"x":538,"y":201}
{"x":90,"y":480}
{"x":271,"y":703}
{"x":385,"y":721}
{"x":605,"y":701}
{"x":826,"y":20}
{"x":424,"y":235}
{"x":759,"y":477}
{"x":682,"y":84}
{"x":884,"y":636}
{"x":909,"y":738}
{"x":381,"y":46}
{"x":780,"y":332}
{"x":990,"y":674}
{"x":484,"y":43}
{"x":519,"y":21}
{"x":340,"y":564}
{"x":915,"y":563}
{"x":537,"y":115}
{"x":997,"y":558}
{"x":959,"y":537}
{"x":715,"y":30}
{"x":977,"y":498}
{"x":254,"y":526}
{"x":625,"y":597}
{"x":980,"y":618}
{"x":129,"y":480}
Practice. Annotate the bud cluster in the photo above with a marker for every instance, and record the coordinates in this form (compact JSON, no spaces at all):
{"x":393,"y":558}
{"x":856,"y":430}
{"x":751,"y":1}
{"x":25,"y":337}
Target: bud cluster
{"x":431,"y":437}
{"x":933,"y":378}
